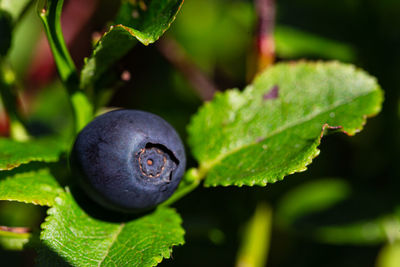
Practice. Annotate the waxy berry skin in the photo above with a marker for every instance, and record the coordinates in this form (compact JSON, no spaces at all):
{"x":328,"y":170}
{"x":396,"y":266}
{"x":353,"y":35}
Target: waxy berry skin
{"x":128,"y":160}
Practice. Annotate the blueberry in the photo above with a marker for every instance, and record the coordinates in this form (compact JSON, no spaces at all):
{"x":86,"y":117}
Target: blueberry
{"x":128,"y":160}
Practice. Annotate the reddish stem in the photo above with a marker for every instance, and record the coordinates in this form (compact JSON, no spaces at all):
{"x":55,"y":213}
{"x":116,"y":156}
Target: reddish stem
{"x":265,"y":10}
{"x":177,"y":56}
{"x":4,"y":124}
{"x":17,"y":230}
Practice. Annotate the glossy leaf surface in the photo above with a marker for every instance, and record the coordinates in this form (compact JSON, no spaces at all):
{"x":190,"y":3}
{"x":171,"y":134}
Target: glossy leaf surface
{"x":81,"y":240}
{"x":13,"y":153}
{"x":273,"y":128}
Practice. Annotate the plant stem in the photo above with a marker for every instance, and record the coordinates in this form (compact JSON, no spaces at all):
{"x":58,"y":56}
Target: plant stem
{"x":265,"y":10}
{"x":177,"y":56}
{"x":50,"y":13}
{"x":256,"y":241}
{"x":17,"y":230}
{"x":9,"y":97}
{"x":192,"y":179}
{"x":189,"y":182}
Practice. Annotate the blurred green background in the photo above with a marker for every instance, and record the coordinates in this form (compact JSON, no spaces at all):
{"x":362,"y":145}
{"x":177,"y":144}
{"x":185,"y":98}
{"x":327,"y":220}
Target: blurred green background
{"x":343,"y":211}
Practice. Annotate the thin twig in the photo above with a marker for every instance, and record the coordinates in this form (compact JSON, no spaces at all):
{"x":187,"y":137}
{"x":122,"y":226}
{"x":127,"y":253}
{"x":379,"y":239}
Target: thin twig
{"x":177,"y":56}
{"x":265,"y":10}
{"x":16,"y":230}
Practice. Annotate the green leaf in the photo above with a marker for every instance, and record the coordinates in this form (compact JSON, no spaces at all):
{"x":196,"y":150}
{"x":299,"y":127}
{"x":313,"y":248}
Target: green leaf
{"x":112,"y":46}
{"x":294,"y":43}
{"x":148,"y":20}
{"x":81,"y":240}
{"x":13,"y":240}
{"x":304,"y":211}
{"x":256,"y":241}
{"x":13,"y":153}
{"x":27,"y":32}
{"x":366,"y":232}
{"x":144,"y":21}
{"x":217,"y":35}
{"x":37,"y":187}
{"x":273,"y":128}
{"x":309,"y":198}
{"x":14,"y":7}
{"x":389,"y":256}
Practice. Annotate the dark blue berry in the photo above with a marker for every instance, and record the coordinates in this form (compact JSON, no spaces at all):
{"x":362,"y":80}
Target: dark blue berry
{"x":128,"y":160}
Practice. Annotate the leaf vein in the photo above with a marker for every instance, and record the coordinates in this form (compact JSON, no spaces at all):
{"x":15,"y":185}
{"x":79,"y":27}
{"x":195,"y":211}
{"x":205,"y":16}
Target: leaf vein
{"x":113,"y":240}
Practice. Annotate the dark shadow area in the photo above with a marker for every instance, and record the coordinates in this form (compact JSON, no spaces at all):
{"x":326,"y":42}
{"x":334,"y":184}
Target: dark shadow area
{"x":212,"y":219}
{"x":165,"y":150}
{"x":91,"y":207}
{"x":24,"y":258}
{"x":32,"y":166}
{"x":49,"y":258}
{"x":99,"y":212}
{"x":39,"y":129}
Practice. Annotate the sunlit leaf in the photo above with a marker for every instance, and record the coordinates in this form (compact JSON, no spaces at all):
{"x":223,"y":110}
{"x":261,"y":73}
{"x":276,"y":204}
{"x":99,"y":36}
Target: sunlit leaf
{"x":37,"y":187}
{"x":71,"y":236}
{"x":273,"y":128}
{"x":137,"y":20}
{"x":13,"y":153}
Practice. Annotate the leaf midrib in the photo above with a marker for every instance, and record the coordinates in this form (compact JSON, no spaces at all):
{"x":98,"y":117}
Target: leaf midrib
{"x":113,"y":239}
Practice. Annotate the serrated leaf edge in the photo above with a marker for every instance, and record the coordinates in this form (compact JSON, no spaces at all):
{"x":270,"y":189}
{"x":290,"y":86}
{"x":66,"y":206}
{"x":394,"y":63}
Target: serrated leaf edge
{"x":33,"y":159}
{"x":38,"y":202}
{"x":164,"y":254}
{"x":301,"y":167}
{"x":149,"y":40}
{"x":206,"y":166}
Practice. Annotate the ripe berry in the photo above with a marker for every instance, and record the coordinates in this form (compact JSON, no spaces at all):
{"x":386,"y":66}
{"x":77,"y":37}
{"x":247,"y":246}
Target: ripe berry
{"x":128,"y":160}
